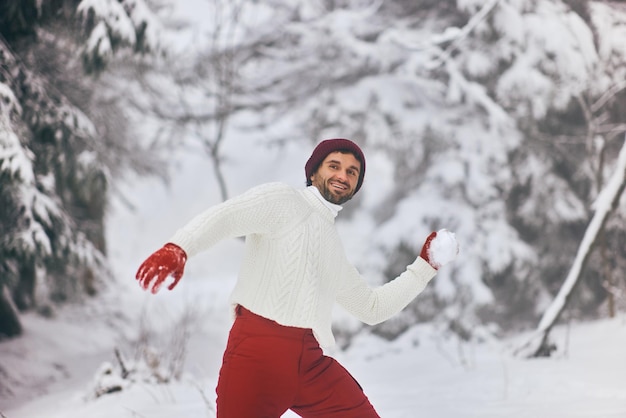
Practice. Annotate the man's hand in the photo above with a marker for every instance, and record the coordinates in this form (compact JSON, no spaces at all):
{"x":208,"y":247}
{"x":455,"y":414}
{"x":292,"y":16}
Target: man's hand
{"x":167,"y":261}
{"x":440,"y":248}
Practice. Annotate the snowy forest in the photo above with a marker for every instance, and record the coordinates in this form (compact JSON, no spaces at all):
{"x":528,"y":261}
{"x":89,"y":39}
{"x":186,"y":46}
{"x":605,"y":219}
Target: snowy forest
{"x":501,"y":120}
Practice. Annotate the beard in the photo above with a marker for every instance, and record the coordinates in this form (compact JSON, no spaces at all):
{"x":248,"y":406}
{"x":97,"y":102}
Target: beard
{"x":331,"y":196}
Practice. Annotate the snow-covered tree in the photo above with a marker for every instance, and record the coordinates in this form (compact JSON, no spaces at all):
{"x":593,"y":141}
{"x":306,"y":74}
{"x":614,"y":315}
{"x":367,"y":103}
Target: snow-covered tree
{"x":498,"y":119}
{"x":471,"y":106}
{"x":607,"y":201}
{"x":55,"y":161}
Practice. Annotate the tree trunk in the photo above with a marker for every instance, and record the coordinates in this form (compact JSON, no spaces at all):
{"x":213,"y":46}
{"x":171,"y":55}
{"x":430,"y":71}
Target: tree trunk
{"x":10,"y":325}
{"x":24,"y":291}
{"x":539,"y":345}
{"x":608,"y":279}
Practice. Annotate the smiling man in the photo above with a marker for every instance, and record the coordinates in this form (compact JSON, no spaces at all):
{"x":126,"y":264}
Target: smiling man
{"x":293,"y":271}
{"x":336,"y":168}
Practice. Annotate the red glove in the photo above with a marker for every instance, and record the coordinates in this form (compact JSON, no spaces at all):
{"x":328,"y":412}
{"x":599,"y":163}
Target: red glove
{"x":167,"y":261}
{"x":425,"y":254}
{"x":440,"y":248}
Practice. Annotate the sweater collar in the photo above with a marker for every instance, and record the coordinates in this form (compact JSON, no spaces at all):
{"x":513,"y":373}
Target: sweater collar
{"x":334,"y":209}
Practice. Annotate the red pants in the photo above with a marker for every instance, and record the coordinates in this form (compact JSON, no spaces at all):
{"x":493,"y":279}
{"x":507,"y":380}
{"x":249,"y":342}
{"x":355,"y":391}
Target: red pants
{"x":269,"y":368}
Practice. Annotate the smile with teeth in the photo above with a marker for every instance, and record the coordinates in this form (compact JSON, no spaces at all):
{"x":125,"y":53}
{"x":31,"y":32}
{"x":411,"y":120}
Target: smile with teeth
{"x":338,"y":185}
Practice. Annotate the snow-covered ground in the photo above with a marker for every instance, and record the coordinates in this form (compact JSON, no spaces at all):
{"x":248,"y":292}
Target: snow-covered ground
{"x":50,"y":371}
{"x":419,"y":374}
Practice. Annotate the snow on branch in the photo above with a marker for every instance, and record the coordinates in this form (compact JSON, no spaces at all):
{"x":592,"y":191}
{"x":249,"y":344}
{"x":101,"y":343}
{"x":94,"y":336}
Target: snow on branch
{"x":146,"y":24}
{"x":40,"y":209}
{"x":15,"y":161}
{"x":112,"y":24}
{"x":466,"y":30}
{"x":451,"y":37}
{"x":460,"y":88}
{"x":111,"y":19}
{"x":604,"y":205}
{"x":474,"y":93}
{"x":608,"y":95}
{"x":16,"y":166}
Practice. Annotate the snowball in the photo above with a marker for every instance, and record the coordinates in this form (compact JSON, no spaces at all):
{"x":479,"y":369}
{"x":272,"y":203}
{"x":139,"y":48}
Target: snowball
{"x":443,"y":248}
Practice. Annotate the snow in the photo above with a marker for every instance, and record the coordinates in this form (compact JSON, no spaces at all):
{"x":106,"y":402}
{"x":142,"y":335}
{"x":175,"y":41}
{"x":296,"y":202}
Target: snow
{"x":111,"y":12}
{"x":420,"y":374}
{"x":443,"y":248}
{"x":603,"y":207}
{"x":58,"y":365}
{"x":15,"y":161}
{"x":53,"y":368}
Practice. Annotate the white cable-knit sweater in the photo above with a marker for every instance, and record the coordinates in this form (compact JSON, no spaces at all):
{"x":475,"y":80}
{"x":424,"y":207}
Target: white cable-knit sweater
{"x":294,"y":268}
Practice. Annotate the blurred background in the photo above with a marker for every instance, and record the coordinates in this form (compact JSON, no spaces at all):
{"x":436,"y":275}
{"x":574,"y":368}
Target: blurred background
{"x":499,"y":120}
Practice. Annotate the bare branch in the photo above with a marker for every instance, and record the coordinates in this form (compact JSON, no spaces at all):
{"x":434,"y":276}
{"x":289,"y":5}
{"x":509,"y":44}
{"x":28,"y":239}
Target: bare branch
{"x":605,"y":204}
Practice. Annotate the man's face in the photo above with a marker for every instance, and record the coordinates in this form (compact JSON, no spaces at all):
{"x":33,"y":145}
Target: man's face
{"x":337,"y":177}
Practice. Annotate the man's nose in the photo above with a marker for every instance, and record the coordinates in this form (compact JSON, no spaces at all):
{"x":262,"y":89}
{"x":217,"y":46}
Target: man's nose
{"x":343,"y":175}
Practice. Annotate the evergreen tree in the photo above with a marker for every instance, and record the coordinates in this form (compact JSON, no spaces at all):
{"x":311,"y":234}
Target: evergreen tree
{"x":496,"y":118}
{"x":55,"y":160}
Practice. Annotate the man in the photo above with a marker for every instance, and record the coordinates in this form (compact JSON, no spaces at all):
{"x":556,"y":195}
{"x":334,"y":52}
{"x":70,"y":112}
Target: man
{"x":293,"y":271}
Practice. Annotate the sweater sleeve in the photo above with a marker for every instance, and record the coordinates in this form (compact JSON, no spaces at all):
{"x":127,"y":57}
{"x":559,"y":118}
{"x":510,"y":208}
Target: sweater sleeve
{"x":260,"y":210}
{"x":375,"y":305}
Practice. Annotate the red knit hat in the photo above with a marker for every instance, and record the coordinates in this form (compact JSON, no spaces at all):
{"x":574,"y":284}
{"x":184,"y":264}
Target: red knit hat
{"x":331,"y":145}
